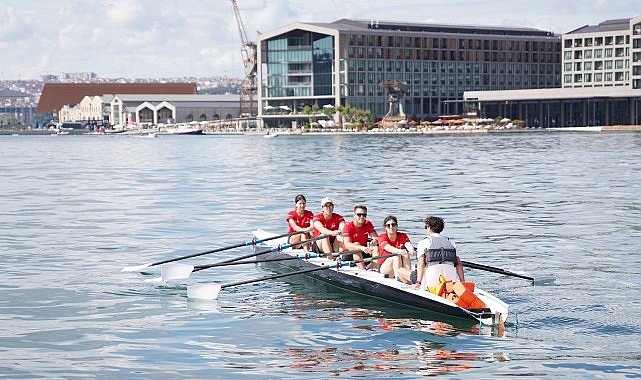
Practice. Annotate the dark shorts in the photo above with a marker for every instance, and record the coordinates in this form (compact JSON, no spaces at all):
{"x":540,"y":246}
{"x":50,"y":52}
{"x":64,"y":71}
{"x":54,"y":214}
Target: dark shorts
{"x":413,"y":277}
{"x":316,"y":248}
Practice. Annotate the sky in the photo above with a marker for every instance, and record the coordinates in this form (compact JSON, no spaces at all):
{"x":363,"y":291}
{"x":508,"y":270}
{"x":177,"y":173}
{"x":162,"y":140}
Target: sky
{"x":200,"y":38}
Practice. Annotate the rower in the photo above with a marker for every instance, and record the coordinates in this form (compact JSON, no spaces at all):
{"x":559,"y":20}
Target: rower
{"x":436,"y":255}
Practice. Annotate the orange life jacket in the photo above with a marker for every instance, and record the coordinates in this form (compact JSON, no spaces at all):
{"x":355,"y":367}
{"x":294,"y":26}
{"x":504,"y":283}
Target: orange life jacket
{"x":461,"y":293}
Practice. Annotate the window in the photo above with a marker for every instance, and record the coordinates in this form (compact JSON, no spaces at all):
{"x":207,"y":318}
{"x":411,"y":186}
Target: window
{"x":598,"y":77}
{"x":608,"y":52}
{"x":567,"y":67}
{"x":587,"y":66}
{"x":598,"y":53}
{"x":567,"y":78}
{"x":587,"y":54}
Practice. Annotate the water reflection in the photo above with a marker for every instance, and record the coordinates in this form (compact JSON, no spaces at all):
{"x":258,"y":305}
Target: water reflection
{"x":427,"y":357}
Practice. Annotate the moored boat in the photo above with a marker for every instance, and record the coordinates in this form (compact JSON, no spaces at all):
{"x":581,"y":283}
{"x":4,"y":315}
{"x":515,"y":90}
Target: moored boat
{"x":182,"y":129}
{"x":373,"y":283}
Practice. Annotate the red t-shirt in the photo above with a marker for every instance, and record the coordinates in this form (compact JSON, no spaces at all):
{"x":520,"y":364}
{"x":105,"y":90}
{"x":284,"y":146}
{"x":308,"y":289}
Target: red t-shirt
{"x":358,"y":234}
{"x":302,"y":221}
{"x":384,"y":240}
{"x":331,"y":223}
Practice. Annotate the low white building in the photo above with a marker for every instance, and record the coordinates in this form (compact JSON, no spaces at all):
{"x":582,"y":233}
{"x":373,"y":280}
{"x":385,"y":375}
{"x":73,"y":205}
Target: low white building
{"x":151,"y":108}
{"x":90,"y":108}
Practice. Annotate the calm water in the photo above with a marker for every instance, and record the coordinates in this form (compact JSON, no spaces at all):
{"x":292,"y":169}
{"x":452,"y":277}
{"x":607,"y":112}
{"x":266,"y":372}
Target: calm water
{"x":76,"y":209}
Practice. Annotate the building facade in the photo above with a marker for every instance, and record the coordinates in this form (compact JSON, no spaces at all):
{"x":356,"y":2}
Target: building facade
{"x":169,"y":109}
{"x":347,"y":61}
{"x":607,"y":54}
{"x":601,"y":82}
{"x":123,"y":109}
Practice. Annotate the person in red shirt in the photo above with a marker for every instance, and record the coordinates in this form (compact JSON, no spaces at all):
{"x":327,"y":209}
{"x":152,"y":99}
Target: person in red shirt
{"x":299,"y":219}
{"x":355,"y":236}
{"x":393,"y":242}
{"x":327,"y":223}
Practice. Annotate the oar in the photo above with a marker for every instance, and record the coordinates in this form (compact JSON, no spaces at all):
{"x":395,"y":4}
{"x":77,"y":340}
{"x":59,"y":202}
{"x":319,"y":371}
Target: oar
{"x":210,"y":291}
{"x":246,"y":244}
{"x":183,"y":271}
{"x":303,"y":256}
{"x":543,"y":280}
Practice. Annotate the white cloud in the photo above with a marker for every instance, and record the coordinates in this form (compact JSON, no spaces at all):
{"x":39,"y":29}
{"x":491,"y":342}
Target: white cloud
{"x":159,"y":38}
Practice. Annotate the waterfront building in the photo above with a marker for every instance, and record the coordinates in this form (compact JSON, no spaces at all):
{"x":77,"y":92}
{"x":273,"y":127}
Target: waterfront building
{"x":57,"y":95}
{"x":603,"y":55}
{"x":601,"y":82}
{"x":169,"y":109}
{"x":153,"y":109}
{"x":347,"y":61}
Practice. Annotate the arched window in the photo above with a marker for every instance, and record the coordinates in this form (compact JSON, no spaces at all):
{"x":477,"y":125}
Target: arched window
{"x":189,"y":118}
{"x":203,"y":117}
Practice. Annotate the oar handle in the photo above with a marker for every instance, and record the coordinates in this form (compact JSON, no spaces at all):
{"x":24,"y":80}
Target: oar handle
{"x":495,"y":270}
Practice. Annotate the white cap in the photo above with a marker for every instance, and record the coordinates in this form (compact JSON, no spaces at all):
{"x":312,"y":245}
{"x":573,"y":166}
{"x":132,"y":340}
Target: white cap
{"x":326,"y":200}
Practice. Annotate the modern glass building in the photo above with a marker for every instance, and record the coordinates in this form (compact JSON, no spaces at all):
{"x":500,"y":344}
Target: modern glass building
{"x":346,"y":61}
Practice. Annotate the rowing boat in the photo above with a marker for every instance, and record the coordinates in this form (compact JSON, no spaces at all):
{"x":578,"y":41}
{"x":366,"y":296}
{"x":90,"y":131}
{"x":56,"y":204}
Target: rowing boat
{"x":374,"y":284}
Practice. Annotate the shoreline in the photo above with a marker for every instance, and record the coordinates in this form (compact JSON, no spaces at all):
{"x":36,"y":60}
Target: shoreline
{"x":608,"y":128}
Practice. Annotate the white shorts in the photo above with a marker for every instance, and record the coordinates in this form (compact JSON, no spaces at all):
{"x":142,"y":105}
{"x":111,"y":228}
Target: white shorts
{"x":434,"y":271}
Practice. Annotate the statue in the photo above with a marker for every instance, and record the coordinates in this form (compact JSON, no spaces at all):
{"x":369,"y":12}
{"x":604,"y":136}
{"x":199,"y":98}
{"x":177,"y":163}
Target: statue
{"x":395,"y":92}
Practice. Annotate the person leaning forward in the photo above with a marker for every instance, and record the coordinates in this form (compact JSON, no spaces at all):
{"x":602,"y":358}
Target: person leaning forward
{"x":355,"y":236}
{"x":436,"y":255}
{"x":327,"y":222}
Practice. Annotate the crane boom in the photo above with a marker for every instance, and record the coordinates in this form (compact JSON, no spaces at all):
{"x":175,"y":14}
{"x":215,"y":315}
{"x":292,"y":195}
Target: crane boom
{"x":250,"y":61}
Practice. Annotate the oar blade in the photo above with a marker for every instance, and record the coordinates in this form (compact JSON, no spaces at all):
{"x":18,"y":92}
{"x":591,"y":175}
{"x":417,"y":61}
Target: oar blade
{"x":136,"y":268}
{"x":170,"y":272}
{"x":549,"y":280}
{"x":205,"y":292}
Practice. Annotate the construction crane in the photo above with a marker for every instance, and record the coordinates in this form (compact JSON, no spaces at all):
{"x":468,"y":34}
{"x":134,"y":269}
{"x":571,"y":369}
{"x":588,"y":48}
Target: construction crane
{"x":250,"y":60}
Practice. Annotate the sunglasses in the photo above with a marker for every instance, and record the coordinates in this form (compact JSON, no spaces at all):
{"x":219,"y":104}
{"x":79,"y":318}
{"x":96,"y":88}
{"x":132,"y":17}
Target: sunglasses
{"x":390,"y":225}
{"x":362,"y":215}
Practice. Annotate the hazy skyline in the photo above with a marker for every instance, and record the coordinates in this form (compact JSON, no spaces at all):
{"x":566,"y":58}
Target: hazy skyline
{"x":160,"y":38}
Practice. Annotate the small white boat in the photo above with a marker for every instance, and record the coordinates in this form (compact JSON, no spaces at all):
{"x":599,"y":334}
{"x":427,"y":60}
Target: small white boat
{"x":183,"y":129}
{"x":373,"y":283}
{"x":270,"y":135}
{"x":149,"y":135}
